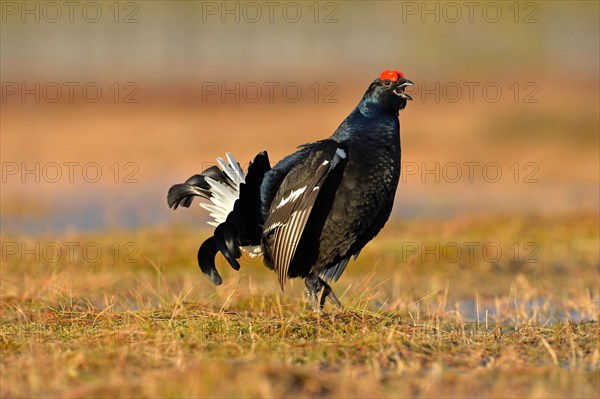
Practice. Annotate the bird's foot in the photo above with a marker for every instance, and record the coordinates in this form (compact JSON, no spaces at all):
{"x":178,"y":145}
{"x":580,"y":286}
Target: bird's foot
{"x":318,"y":291}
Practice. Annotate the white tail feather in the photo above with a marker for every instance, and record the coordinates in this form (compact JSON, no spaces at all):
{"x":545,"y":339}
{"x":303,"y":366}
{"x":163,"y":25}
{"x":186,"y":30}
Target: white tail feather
{"x":223,"y":196}
{"x":240,"y":177}
{"x":232,"y":170}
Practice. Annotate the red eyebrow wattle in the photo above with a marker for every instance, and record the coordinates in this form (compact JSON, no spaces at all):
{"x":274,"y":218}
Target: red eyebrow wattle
{"x":391,"y":75}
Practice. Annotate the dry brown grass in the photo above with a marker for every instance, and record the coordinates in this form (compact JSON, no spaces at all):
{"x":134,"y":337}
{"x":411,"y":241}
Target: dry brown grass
{"x":413,"y":326}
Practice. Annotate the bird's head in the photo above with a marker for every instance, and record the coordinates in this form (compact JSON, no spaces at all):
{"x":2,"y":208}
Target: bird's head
{"x":387,"y":91}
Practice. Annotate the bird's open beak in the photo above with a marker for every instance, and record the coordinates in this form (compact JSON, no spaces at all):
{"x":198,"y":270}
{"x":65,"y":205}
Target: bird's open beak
{"x":399,"y":91}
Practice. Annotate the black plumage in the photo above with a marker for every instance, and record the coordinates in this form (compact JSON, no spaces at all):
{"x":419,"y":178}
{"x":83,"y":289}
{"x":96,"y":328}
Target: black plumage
{"x":316,"y":208}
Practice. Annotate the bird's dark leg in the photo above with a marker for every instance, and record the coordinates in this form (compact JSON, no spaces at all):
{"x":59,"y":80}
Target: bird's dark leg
{"x":328,"y":292}
{"x":313,"y":287}
{"x":318,"y":291}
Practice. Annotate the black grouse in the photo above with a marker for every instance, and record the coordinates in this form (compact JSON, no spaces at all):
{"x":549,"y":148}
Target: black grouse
{"x":315,"y":209}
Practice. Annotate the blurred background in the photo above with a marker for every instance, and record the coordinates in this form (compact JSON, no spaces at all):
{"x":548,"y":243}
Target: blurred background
{"x":105,"y":105}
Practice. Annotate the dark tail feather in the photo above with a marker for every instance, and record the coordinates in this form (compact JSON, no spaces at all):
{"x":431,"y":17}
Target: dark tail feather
{"x":336,"y":271}
{"x":183,"y":194}
{"x":230,"y":238}
{"x":246,"y":215}
{"x":223,"y":245}
{"x":206,"y":260}
{"x":243,"y":225}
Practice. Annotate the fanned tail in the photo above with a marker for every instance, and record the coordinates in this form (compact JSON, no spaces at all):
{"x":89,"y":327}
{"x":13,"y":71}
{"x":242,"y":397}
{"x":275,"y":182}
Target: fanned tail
{"x":218,"y":185}
{"x":235,"y":209}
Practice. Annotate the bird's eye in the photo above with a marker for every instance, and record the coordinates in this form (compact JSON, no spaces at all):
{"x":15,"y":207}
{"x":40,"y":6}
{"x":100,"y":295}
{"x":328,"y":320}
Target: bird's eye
{"x":387,"y":82}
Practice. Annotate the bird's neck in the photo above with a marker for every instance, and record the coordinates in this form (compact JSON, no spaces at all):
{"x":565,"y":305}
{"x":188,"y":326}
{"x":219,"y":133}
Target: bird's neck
{"x":368,"y":121}
{"x":370,"y":108}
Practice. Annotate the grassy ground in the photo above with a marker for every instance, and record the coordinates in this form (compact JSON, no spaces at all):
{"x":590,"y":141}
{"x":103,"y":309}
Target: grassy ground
{"x":479,"y":306}
{"x":424,"y":317}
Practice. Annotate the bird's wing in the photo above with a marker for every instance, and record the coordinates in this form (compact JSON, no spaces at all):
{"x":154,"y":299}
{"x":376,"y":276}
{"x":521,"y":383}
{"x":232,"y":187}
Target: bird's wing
{"x":292,"y":206}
